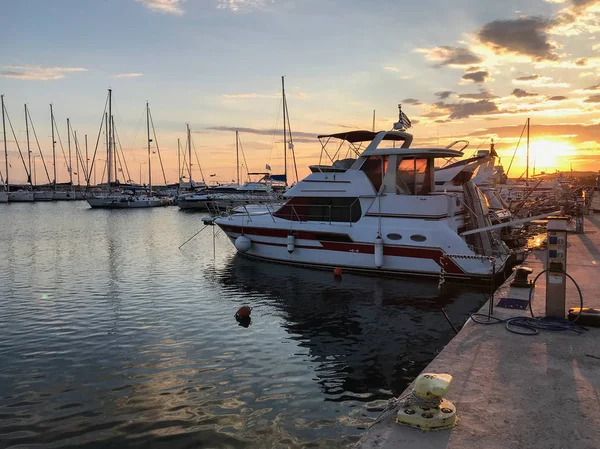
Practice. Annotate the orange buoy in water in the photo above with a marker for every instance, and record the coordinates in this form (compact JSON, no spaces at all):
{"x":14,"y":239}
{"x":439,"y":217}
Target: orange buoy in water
{"x":243,"y":312}
{"x":337,"y":271}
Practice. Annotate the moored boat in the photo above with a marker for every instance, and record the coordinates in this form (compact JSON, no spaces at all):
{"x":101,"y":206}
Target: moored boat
{"x":381,"y":215}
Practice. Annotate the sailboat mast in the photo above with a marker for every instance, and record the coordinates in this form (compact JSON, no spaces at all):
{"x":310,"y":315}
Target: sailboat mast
{"x":189,"y":138}
{"x":527,"y":169}
{"x":149,"y":140}
{"x":5,"y":147}
{"x":87,"y":162}
{"x":53,"y":145}
{"x":77,"y":153}
{"x":115,"y":157}
{"x":284,"y":130}
{"x":373,"y":129}
{"x":107,"y":151}
{"x":178,"y":162}
{"x":109,"y":139}
{"x":70,"y":168}
{"x":237,"y":156}
{"x":28,"y":149}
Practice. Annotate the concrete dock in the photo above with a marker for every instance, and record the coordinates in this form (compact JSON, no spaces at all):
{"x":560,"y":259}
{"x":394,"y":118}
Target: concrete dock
{"x":515,"y":391}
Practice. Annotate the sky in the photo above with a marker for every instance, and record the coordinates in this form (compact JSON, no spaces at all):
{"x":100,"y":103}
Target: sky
{"x":465,"y":69}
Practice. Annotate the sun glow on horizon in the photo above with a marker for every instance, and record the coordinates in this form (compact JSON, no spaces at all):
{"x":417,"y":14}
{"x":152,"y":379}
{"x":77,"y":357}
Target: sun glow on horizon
{"x":549,"y":155}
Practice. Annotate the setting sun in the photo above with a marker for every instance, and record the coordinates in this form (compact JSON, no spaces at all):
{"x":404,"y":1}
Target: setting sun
{"x":549,"y":155}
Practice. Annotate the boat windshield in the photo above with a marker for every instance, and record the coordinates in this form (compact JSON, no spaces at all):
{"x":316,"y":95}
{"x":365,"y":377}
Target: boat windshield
{"x":375,"y":167}
{"x":413,"y":176}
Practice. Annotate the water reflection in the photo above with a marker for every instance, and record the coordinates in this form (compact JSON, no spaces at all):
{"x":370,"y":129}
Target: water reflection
{"x":367,"y":335}
{"x":112,"y":337}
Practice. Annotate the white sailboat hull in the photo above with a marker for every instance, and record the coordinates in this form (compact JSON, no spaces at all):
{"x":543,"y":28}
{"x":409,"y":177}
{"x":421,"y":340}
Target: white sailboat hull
{"x":21,"y":196}
{"x":59,"y":195}
{"x":125,"y":202}
{"x":43,"y":195}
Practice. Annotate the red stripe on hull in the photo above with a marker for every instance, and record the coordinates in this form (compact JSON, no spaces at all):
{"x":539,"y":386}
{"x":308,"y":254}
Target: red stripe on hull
{"x":437,"y":255}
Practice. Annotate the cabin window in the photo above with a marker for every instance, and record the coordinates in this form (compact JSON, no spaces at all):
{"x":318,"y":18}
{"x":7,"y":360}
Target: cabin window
{"x":375,"y":167}
{"x":413,"y":176}
{"x":344,"y":210}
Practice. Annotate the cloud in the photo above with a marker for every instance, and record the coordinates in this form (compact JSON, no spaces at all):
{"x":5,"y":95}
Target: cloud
{"x":391,"y":69}
{"x":38,"y":73}
{"x":302,"y":95}
{"x":476,"y":77}
{"x":596,"y":87}
{"x":412,"y":101}
{"x":558,"y":98}
{"x":520,"y":93}
{"x":450,"y":56}
{"x":482,"y":95}
{"x":526,"y":78}
{"x":128,"y":75}
{"x":241,"y":5}
{"x":465,"y":110}
{"x":593,"y":99}
{"x":265,"y":132}
{"x":455,"y":111}
{"x":164,"y":6}
{"x":443,"y":94}
{"x":539,"y":81}
{"x":525,"y":36}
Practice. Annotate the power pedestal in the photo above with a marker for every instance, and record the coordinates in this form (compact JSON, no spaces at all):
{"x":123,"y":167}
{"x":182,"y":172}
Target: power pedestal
{"x":556,"y":280}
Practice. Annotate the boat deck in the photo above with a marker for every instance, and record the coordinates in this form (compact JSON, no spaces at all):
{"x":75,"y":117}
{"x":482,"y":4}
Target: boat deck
{"x":514,"y":391}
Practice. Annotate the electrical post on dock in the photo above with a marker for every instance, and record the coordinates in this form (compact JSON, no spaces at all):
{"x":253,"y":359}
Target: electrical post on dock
{"x":556,"y":279}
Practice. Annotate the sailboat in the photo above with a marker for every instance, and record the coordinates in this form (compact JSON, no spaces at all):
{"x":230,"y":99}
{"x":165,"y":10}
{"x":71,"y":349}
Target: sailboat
{"x":126,"y":199}
{"x":38,"y":195}
{"x":20,"y":195}
{"x":267,"y":189}
{"x":59,"y":195}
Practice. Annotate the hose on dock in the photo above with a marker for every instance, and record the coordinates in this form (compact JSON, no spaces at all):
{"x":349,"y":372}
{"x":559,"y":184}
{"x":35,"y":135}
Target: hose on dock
{"x":524,"y":325}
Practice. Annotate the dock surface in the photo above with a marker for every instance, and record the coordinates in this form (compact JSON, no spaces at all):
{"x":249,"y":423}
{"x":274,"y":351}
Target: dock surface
{"x":515,"y":391}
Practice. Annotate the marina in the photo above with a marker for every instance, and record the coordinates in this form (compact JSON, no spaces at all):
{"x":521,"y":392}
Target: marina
{"x":285,"y":224}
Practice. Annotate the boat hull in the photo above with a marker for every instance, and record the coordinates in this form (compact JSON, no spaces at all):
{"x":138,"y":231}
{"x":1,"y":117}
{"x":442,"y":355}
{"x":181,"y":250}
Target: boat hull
{"x":193,"y":204}
{"x":3,"y":197}
{"x":21,"y":196}
{"x":60,"y":195}
{"x":43,"y":195}
{"x":119,"y":203}
{"x":319,"y":249}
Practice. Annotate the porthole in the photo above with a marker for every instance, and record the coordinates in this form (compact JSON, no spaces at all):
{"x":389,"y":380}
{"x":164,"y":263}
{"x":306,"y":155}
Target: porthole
{"x":394,"y":236}
{"x":418,"y":238}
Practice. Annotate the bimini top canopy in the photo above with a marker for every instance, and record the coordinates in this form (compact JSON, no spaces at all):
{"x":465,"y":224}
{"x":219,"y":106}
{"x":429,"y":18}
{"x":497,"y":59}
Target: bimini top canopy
{"x":412,"y":152}
{"x":365,"y":136}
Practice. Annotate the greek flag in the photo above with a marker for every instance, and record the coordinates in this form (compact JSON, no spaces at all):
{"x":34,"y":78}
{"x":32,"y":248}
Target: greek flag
{"x":405,"y":120}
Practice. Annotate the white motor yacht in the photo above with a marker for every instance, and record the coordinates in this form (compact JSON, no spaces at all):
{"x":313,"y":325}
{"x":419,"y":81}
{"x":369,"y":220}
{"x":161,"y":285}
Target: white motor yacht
{"x":382,"y":215}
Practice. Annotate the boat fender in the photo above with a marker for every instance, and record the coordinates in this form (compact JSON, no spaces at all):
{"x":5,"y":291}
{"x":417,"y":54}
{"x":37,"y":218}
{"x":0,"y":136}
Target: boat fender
{"x":243,"y":312}
{"x":243,"y":243}
{"x":337,"y":272}
{"x":291,"y":242}
{"x":378,"y":252}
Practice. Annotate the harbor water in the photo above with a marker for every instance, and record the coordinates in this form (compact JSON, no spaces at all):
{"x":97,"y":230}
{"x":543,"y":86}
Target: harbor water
{"x":111,"y":336}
